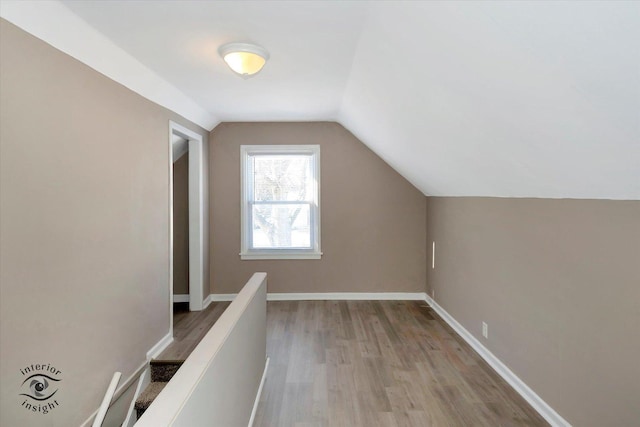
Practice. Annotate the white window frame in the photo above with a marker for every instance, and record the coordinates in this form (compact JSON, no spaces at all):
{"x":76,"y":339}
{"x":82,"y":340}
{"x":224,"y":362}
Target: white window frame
{"x":246,"y":251}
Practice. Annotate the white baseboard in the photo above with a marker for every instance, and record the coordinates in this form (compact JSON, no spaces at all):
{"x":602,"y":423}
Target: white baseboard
{"x":221,"y":297}
{"x":180,"y":297}
{"x":331,"y":296}
{"x":257,"y":401}
{"x":208,"y":300}
{"x":159,"y":347}
{"x":546,"y":411}
{"x":341,"y":296}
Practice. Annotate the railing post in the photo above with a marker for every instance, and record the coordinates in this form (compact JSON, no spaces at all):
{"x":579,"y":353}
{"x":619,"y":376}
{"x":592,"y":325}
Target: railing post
{"x":106,"y":401}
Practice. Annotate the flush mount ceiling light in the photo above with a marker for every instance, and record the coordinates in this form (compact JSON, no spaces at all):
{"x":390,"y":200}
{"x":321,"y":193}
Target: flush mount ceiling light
{"x":244,"y":59}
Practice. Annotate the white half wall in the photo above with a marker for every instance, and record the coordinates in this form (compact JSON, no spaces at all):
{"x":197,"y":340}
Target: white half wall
{"x":219,"y":382}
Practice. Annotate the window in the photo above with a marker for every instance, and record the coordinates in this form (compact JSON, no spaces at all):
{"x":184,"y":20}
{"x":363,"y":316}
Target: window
{"x":280,"y":202}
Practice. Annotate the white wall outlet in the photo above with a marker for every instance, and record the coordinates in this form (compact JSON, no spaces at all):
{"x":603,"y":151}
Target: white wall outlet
{"x":433,"y":294}
{"x":485,"y":330}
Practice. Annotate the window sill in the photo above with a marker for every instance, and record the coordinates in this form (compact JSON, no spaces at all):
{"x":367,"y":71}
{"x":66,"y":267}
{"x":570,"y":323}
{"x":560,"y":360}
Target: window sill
{"x":280,"y":255}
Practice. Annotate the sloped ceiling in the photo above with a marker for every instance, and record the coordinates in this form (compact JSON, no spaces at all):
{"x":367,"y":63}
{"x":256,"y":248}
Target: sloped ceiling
{"x":506,"y":99}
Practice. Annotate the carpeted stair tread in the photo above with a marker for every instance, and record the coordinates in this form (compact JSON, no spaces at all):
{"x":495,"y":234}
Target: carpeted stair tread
{"x":147,"y":396}
{"x":164,"y":370}
{"x":166,"y":362}
{"x":161,"y":373}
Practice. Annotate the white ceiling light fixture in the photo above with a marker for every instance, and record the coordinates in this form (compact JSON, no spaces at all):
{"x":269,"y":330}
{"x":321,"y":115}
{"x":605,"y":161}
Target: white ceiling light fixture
{"x":245,"y":59}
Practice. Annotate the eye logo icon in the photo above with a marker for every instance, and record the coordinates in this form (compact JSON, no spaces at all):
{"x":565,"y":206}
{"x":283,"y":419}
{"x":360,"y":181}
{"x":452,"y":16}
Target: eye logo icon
{"x":40,"y":387}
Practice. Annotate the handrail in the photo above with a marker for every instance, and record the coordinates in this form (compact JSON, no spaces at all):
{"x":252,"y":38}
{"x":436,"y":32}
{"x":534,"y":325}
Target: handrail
{"x":106,"y":401}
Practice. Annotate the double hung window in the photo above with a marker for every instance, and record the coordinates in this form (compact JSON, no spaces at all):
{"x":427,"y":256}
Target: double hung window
{"x":280,"y":202}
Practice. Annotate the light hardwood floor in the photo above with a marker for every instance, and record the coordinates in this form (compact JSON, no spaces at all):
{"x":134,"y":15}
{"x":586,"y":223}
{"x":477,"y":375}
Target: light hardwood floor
{"x":378,"y":363}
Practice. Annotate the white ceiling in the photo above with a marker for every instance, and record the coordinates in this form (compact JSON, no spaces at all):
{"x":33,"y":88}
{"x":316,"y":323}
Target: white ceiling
{"x":507,"y":99}
{"x":312,"y":45}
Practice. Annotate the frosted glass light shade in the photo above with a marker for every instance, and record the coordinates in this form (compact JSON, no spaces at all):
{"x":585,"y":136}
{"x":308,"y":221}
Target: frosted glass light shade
{"x":243,"y":58}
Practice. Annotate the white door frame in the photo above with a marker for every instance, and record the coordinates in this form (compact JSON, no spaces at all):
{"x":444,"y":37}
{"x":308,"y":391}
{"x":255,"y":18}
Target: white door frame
{"x":196,"y":217}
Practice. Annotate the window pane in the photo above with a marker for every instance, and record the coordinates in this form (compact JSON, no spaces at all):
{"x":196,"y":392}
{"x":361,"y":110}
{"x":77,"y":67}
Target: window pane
{"x":282,"y":177}
{"x":281,"y":226}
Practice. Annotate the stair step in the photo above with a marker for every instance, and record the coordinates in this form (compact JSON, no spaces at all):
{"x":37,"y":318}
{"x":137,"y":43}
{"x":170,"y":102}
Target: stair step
{"x":147,"y":396}
{"x":164,"y":370}
{"x":161,"y":372}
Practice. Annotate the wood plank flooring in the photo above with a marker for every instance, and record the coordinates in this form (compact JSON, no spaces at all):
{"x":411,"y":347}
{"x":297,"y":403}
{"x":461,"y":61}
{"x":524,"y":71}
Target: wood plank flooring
{"x":189,"y":327}
{"x":378,"y":363}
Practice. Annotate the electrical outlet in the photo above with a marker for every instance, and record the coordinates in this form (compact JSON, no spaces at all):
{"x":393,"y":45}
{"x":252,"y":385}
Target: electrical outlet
{"x":433,"y":294}
{"x":485,"y":330}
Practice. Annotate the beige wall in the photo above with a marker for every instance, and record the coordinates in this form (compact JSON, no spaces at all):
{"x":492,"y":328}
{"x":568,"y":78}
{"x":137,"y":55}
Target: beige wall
{"x":373,"y":227}
{"x":84,"y":227}
{"x":558,"y":283}
{"x":181,"y":226}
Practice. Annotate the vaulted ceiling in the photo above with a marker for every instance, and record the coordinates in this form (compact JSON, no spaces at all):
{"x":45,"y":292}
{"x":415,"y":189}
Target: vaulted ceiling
{"x":506,"y":99}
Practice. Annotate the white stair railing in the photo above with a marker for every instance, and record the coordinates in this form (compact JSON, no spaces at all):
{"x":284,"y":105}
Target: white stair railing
{"x":106,"y":401}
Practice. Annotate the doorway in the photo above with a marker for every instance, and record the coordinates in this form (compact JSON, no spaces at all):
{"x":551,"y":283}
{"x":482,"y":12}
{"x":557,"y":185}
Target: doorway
{"x":186,"y":155}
